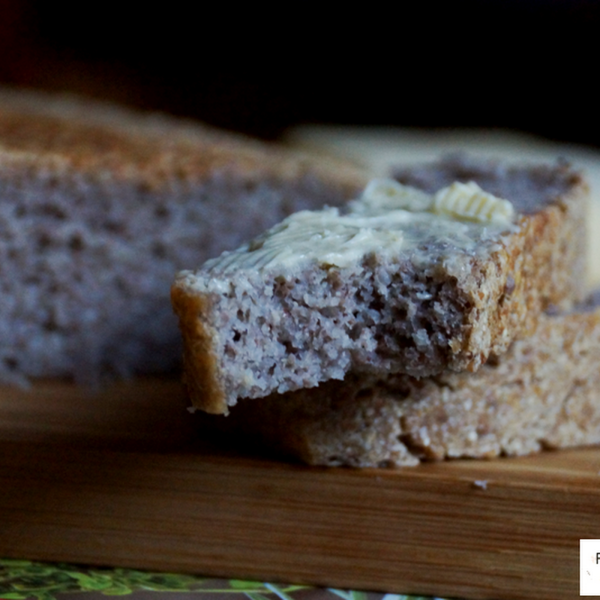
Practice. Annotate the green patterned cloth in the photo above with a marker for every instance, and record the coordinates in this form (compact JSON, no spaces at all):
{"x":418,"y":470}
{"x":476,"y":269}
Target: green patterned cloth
{"x":29,"y":580}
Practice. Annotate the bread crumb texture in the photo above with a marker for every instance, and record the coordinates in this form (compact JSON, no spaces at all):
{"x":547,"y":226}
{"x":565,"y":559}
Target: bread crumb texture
{"x":100,"y":206}
{"x":543,"y":393}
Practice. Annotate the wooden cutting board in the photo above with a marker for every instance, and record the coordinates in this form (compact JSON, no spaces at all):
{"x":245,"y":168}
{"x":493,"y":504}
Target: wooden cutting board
{"x":118,"y":478}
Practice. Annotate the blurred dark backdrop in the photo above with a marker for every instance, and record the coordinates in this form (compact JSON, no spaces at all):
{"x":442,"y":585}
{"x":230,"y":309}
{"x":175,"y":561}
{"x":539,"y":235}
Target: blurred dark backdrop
{"x":528,"y":65}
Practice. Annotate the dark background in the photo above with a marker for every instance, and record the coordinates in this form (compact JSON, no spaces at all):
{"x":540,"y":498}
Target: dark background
{"x":528,"y":65}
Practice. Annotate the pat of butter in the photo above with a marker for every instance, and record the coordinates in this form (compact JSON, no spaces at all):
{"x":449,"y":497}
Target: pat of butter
{"x":388,"y":217}
{"x":462,"y":201}
{"x":468,"y":201}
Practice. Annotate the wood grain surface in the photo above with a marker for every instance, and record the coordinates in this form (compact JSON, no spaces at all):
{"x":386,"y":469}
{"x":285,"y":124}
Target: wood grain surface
{"x":118,"y":478}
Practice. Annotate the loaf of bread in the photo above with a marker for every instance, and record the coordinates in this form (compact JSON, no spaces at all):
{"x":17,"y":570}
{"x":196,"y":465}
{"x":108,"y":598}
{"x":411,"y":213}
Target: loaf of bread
{"x":543,"y":393}
{"x":100,"y":206}
{"x":469,"y":269}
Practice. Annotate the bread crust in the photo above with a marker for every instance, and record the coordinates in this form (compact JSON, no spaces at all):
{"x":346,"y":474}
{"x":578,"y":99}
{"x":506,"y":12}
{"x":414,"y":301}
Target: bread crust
{"x":543,"y":266}
{"x":199,"y":361}
{"x":66,"y":132}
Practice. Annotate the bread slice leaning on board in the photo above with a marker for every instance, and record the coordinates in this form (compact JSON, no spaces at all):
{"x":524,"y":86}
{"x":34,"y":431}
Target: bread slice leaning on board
{"x":543,"y":393}
{"x":99,"y":207}
{"x":278,"y":317}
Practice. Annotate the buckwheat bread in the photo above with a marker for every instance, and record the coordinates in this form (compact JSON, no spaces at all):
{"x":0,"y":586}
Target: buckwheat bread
{"x":543,"y":393}
{"x":101,"y":205}
{"x":434,"y":307}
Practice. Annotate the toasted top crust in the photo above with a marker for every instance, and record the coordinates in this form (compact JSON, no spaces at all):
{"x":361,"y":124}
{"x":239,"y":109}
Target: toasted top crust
{"x":529,"y":187}
{"x":151,"y":148}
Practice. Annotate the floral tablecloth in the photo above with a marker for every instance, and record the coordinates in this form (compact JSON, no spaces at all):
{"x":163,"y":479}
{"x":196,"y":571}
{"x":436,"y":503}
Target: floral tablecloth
{"x":29,"y":580}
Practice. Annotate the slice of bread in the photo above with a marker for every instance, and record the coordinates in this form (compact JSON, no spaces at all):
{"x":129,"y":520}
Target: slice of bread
{"x":543,"y":393}
{"x":432,"y":306}
{"x":101,"y":205}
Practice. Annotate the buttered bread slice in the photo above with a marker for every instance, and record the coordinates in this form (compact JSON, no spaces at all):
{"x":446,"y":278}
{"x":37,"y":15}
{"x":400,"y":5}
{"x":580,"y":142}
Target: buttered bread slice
{"x":414,"y":279}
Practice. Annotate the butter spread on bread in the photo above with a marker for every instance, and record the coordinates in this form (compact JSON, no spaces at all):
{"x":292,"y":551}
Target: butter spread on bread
{"x":387,"y":218}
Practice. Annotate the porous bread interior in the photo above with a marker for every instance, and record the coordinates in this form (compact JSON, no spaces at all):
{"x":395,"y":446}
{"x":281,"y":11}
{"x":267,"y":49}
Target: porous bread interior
{"x":100,"y":206}
{"x":86,"y":267}
{"x":542,"y":394}
{"x":310,"y":325}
